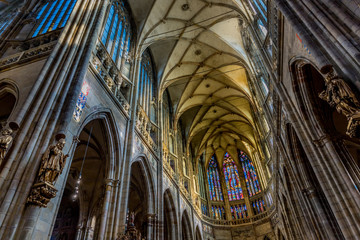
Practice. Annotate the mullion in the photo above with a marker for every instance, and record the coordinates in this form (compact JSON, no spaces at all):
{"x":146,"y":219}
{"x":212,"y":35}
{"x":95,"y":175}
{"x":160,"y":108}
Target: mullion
{"x":68,"y":12}
{"x":49,"y":16}
{"x":113,"y":34}
{"x":123,"y":38}
{"x":61,"y":14}
{"x":259,"y":11}
{"x":39,"y":28}
{"x":115,"y":56}
{"x":110,"y":30}
{"x":108,"y":25}
{"x":53,"y":16}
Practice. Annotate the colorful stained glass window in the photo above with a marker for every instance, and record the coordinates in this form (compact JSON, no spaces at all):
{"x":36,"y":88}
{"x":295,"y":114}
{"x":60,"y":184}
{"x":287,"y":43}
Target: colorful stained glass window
{"x":258,"y":206}
{"x":218,"y":212}
{"x":232,"y":179}
{"x":81,"y":102}
{"x":52,"y":15}
{"x":239,"y":211}
{"x":252,"y":181}
{"x":214,"y":181}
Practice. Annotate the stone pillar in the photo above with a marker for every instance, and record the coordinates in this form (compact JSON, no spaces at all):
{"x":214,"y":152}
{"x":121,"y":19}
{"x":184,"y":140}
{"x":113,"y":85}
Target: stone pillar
{"x":107,"y":197}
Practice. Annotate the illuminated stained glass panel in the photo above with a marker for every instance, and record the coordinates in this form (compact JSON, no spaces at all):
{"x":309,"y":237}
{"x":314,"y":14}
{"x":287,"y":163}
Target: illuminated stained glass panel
{"x":214,"y":181}
{"x":258,"y":206}
{"x":252,"y":181}
{"x":239,"y":211}
{"x":53,"y":15}
{"x":218,"y":212}
{"x":81,"y":102}
{"x":232,"y":179}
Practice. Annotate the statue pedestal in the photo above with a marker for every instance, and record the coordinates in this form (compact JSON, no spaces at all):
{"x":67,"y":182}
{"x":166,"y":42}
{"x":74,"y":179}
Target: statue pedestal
{"x":353,"y":125}
{"x":41,"y":193}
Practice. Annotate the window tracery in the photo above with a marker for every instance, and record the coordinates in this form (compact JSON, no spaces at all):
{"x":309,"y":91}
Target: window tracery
{"x":116,"y":35}
{"x":146,"y":86}
{"x":251,"y":179}
{"x":214,"y":181}
{"x":232,"y":179}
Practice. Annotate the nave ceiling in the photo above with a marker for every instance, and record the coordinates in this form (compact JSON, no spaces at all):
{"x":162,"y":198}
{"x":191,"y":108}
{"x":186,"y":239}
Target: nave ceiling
{"x":200,"y":60}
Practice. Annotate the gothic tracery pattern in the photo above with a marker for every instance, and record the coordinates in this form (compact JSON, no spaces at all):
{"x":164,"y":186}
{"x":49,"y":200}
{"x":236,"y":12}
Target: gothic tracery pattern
{"x":232,"y":179}
{"x":252,"y":182}
{"x":214,"y":181}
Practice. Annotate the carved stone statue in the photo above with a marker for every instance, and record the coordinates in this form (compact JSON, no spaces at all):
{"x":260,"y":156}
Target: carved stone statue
{"x":52,"y":165}
{"x":53,"y":162}
{"x":5,"y":142}
{"x":132,"y":219}
{"x":339,"y":95}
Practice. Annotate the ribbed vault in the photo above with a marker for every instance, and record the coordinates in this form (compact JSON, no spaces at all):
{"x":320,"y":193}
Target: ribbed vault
{"x":197,"y":48}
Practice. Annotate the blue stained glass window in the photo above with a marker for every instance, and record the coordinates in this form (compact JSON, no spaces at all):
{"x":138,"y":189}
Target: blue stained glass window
{"x":61,"y":14}
{"x":116,"y":30}
{"x":108,"y":24}
{"x":146,"y":82}
{"x":118,"y":36}
{"x":214,"y":181}
{"x":232,"y":179}
{"x":52,"y":14}
{"x":68,"y":13}
{"x":252,"y":182}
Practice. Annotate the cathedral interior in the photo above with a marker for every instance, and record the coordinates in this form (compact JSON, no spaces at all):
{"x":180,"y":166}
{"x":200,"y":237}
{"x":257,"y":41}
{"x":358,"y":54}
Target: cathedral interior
{"x":179,"y":119}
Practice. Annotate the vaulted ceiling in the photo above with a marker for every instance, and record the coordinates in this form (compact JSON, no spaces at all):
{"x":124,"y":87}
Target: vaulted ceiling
{"x":200,"y":60}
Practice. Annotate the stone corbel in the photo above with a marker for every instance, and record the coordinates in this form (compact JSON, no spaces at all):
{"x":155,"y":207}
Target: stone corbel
{"x":340,"y":96}
{"x":51,"y":167}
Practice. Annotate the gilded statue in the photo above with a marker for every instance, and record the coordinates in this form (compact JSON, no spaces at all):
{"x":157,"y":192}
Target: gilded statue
{"x":5,"y":142}
{"x":339,"y":95}
{"x":53,"y":162}
{"x":52,"y":165}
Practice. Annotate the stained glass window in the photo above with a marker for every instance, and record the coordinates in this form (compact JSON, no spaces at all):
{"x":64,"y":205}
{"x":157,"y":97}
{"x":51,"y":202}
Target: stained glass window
{"x":53,"y":15}
{"x":258,"y":206}
{"x":252,"y":182}
{"x":204,"y":209}
{"x":232,"y":179}
{"x":81,"y":102}
{"x":146,"y":82}
{"x":239,"y":211}
{"x":201,"y":180}
{"x":5,"y":21}
{"x":214,"y":181}
{"x":218,"y":212}
{"x":116,"y":32}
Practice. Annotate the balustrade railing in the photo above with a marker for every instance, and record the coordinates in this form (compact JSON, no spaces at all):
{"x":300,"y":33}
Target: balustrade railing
{"x":235,"y":222}
{"x":145,"y":127}
{"x":108,"y":72}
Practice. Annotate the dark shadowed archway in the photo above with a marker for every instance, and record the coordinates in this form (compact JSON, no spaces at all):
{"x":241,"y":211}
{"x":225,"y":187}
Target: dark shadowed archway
{"x":170,"y":218}
{"x":186,"y":231}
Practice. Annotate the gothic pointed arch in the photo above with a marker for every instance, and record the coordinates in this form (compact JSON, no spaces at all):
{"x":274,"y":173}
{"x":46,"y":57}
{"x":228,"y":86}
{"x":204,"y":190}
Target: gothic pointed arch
{"x":170,"y":217}
{"x":186,"y":229}
{"x":8,"y":100}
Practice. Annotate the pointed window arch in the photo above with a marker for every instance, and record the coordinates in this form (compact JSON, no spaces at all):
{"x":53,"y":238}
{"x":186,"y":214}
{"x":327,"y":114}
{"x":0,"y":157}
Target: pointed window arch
{"x":232,"y":179}
{"x":214,"y":181}
{"x":252,"y":182}
{"x":116,"y":33}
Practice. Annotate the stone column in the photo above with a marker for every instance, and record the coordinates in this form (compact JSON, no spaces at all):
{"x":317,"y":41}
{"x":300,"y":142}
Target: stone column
{"x":107,"y":197}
